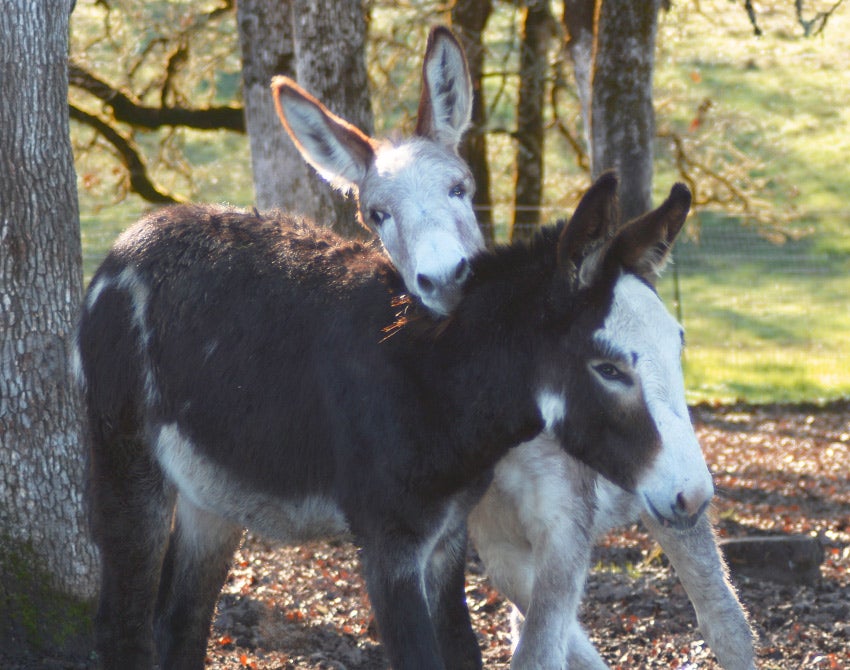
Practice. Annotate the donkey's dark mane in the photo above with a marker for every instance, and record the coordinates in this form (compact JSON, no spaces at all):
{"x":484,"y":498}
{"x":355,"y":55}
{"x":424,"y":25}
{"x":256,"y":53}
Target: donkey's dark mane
{"x":507,"y":260}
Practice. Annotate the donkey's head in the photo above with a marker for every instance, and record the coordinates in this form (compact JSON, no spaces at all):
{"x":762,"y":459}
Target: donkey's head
{"x":621,"y":406}
{"x":416,"y":195}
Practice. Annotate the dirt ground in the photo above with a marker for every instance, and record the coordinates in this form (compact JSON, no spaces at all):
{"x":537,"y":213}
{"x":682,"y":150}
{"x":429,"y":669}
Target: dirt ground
{"x":778,"y":470}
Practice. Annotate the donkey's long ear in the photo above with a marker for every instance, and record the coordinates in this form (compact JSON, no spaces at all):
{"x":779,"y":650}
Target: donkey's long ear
{"x":592,"y":224}
{"x":338,"y":151}
{"x":445,"y":106}
{"x":643,"y":245}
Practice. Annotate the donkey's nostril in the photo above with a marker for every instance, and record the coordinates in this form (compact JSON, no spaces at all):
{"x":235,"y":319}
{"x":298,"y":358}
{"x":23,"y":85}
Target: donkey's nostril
{"x":425,"y":284}
{"x":462,"y":271}
{"x":689,"y":508}
{"x":680,"y":508}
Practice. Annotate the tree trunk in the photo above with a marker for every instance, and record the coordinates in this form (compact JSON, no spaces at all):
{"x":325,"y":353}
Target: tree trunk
{"x":622,"y":116}
{"x":533,"y":67}
{"x":47,"y":564}
{"x":469,"y":18}
{"x":322,"y":46}
{"x":578,"y":20}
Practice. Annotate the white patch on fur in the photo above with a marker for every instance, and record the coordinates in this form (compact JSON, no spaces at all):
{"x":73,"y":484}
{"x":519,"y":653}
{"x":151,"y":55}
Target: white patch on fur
{"x":427,"y":231}
{"x":201,"y":529}
{"x":129,"y":281}
{"x":96,"y":289}
{"x":210,"y":487}
{"x":210,"y":349}
{"x":553,"y":408}
{"x":426,"y":550}
{"x":639,"y":327}
{"x":77,"y":371}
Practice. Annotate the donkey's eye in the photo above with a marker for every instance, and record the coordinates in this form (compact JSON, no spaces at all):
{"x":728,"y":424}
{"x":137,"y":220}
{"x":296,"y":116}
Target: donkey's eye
{"x":378,"y":217}
{"x":457,"y":191}
{"x":612,"y":373}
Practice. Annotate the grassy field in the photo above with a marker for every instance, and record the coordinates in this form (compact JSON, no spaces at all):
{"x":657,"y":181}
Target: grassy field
{"x":764,"y":321}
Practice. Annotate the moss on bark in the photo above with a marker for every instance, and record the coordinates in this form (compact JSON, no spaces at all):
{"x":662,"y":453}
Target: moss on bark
{"x":36,"y":618}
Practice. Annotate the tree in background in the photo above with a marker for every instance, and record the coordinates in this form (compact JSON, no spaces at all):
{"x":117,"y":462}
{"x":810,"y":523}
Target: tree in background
{"x":322,"y":45}
{"x":612,"y":45}
{"x":184,"y":72}
{"x":47,"y":564}
{"x":179,"y":69}
{"x":538,"y":29}
{"x":469,"y":18}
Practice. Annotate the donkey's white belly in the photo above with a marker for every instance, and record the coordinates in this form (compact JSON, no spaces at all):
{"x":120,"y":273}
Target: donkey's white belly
{"x":210,"y":487}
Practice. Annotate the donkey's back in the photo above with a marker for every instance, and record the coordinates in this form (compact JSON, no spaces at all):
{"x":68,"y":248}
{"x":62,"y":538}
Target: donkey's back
{"x":199,"y":315}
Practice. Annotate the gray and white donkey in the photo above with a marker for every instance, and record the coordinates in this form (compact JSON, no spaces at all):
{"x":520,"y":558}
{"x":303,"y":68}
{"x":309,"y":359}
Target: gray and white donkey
{"x":415,"y":195}
{"x":540,"y":517}
{"x":536,"y":525}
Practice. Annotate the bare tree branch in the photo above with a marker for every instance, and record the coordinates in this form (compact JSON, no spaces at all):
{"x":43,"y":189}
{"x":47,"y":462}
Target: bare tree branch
{"x":751,"y":14}
{"x":815,"y":25}
{"x":139,"y":181}
{"x":576,"y":144}
{"x":127,"y":109}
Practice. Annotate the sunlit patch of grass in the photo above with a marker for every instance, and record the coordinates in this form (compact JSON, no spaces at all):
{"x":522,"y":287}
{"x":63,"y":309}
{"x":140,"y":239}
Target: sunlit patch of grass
{"x":628,"y":568}
{"x":768,"y":374}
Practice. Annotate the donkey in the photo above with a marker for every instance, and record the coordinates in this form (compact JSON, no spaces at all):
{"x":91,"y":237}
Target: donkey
{"x":416,"y":195}
{"x":538,"y":554}
{"x":536,"y":524}
{"x":246,"y":370}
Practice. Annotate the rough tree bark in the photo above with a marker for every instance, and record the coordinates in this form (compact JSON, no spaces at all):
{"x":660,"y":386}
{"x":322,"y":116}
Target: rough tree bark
{"x":533,"y":68}
{"x":47,"y":564}
{"x":469,"y":18}
{"x":612,"y":47}
{"x":622,"y":115}
{"x":322,"y":46}
{"x":578,"y":20}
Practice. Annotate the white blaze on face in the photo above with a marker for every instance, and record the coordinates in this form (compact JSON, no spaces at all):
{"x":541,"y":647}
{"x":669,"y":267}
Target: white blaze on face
{"x":677,"y":484}
{"x":419,"y":201}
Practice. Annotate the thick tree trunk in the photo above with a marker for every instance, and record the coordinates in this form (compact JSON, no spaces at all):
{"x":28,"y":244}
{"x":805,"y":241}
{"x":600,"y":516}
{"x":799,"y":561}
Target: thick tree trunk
{"x":469,"y":18}
{"x":622,"y":115}
{"x":322,"y":46}
{"x":47,"y":564}
{"x":533,"y":67}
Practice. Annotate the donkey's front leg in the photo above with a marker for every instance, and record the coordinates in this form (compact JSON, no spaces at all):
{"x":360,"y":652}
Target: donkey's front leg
{"x":395,"y":578}
{"x":702,"y":571}
{"x":551,"y":623}
{"x":558,"y":518}
{"x":446,"y":593}
{"x":196,"y":565}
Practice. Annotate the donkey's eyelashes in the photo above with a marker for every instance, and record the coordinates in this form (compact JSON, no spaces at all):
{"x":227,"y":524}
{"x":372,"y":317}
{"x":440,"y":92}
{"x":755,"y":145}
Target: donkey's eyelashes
{"x":378,"y":217}
{"x":611,"y":373}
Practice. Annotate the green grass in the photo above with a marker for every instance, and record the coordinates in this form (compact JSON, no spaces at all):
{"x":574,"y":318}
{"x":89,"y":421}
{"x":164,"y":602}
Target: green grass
{"x":764,"y":322}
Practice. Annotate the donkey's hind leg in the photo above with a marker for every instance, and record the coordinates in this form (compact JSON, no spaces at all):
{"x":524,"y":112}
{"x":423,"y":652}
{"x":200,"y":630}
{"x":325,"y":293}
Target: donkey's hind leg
{"x":131,"y":506}
{"x":196,"y":565}
{"x":445,"y":586}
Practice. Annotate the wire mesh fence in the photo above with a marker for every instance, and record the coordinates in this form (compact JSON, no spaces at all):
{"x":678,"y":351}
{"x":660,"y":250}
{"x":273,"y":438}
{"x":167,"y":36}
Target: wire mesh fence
{"x":764,"y":321}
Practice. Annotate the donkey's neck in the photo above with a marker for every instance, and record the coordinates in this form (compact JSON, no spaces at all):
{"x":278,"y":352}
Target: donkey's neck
{"x":478,"y":370}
